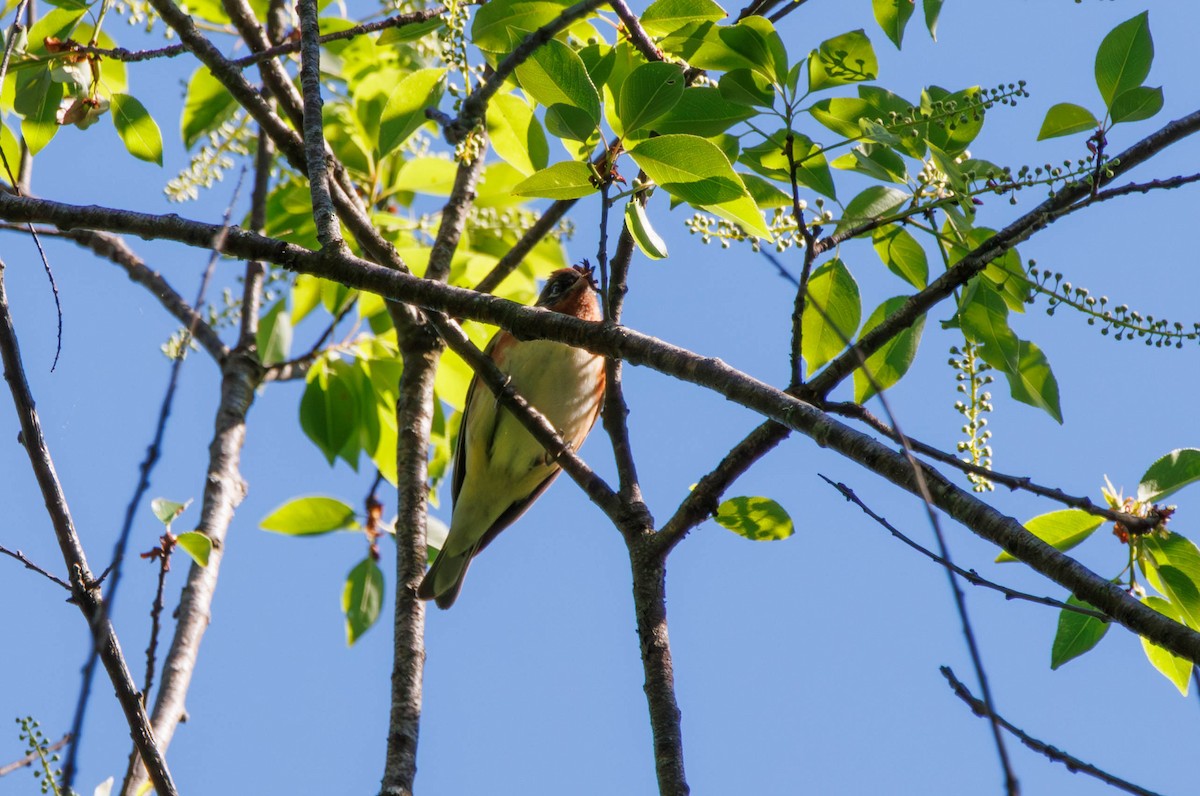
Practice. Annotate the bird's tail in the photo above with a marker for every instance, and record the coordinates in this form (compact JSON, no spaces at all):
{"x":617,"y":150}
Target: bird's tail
{"x":444,"y":579}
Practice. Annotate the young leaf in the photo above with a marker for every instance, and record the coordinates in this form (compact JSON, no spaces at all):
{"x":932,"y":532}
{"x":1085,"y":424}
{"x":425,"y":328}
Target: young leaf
{"x":759,"y":519}
{"x":362,"y":598}
{"x":567,"y":180}
{"x":893,"y":16}
{"x":638,"y":224}
{"x":516,"y":134}
{"x":649,"y":92}
{"x":874,"y":202}
{"x":1175,"y":669}
{"x":1062,"y":530}
{"x":167,"y":510}
{"x":696,"y":171}
{"x":889,"y":364}
{"x":197,"y":545}
{"x":667,"y":16}
{"x":309,"y":516}
{"x":206,"y":105}
{"x":1066,"y":118}
{"x":1136,"y":104}
{"x":274,"y":337}
{"x":1183,"y":593}
{"x":844,"y":59}
{"x":1076,"y":633}
{"x":137,"y":129}
{"x":1124,"y":57}
{"x":901,"y":253}
{"x":832,"y":311}
{"x":405,"y":108}
{"x":1170,"y":474}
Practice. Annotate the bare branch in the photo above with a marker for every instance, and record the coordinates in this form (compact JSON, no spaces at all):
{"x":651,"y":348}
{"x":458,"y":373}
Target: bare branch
{"x":1073,"y":764}
{"x":18,"y":555}
{"x":87,"y":595}
{"x":969,"y":575}
{"x":314,"y":127}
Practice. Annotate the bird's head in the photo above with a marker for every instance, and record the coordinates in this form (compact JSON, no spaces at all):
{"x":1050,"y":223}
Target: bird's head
{"x":572,"y":291}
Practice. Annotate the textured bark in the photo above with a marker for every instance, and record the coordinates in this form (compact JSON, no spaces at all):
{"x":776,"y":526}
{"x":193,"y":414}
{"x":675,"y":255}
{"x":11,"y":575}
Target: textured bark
{"x":650,"y":605}
{"x":224,"y":490}
{"x":420,"y":351}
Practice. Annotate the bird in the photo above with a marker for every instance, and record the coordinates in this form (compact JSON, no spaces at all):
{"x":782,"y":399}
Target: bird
{"x":499,"y":468}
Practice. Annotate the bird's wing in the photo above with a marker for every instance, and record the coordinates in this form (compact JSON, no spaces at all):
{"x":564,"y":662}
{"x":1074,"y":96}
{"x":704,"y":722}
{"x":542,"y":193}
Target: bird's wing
{"x":460,"y":459}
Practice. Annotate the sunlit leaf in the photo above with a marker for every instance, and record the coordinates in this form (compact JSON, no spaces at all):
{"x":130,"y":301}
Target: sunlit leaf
{"x":832,"y":311}
{"x":759,"y":519}
{"x":1124,"y":57}
{"x":362,"y":598}
{"x":889,"y":364}
{"x":197,"y":545}
{"x":1066,"y":118}
{"x":1076,"y":633}
{"x":1062,"y":530}
{"x":308,"y":516}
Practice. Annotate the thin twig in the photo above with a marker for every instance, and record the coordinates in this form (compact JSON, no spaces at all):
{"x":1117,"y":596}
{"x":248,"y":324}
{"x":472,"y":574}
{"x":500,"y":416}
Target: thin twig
{"x":969,"y":575}
{"x":1073,"y":764}
{"x":635,"y":32}
{"x":1134,"y":524}
{"x":163,"y":554}
{"x":18,"y":555}
{"x":32,"y":757}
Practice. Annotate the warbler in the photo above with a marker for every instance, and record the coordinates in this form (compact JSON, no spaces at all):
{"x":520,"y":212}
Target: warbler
{"x":500,"y":469}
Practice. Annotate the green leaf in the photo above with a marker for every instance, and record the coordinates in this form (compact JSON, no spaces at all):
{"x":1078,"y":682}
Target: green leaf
{"x":1066,"y":118}
{"x":1062,"y":530}
{"x":492,"y":30}
{"x":649,"y":92}
{"x":844,"y":59}
{"x":37,"y":99}
{"x":769,"y":159}
{"x":696,"y":171}
{"x":556,"y":77}
{"x":1183,"y":592}
{"x":953,"y":134}
{"x":889,"y":364}
{"x":274,"y":337}
{"x":329,"y":408}
{"x":933,"y":10}
{"x":1172,"y":667}
{"x":984,"y":319}
{"x":1124,"y":57}
{"x":638,"y":224}
{"x":516,"y":134}
{"x":832,"y":311}
{"x":309,"y":516}
{"x":893,"y":16}
{"x":567,"y":180}
{"x":208,"y":103}
{"x":137,"y":129}
{"x":405,"y":108}
{"x":702,"y":111}
{"x":1173,"y":550}
{"x":667,"y":16}
{"x":759,"y":519}
{"x":1076,"y":634}
{"x":902,"y":255}
{"x":10,"y":148}
{"x":1169,"y":474}
{"x":362,"y":598}
{"x":876,"y":161}
{"x":1136,"y":104}
{"x":874,"y":202}
{"x":197,"y":545}
{"x":746,"y":87}
{"x":167,"y":510}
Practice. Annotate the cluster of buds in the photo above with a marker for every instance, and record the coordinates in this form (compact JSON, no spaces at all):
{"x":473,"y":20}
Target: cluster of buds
{"x":972,"y":380}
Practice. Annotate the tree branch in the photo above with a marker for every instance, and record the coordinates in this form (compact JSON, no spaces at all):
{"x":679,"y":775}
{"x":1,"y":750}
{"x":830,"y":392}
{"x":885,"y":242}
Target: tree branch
{"x":83,"y":587}
{"x":314,"y":127}
{"x":19,"y":556}
{"x":1073,"y":764}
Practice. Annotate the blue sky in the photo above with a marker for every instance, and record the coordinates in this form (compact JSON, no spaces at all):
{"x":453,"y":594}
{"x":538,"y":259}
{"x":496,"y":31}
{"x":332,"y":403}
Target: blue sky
{"x":803,"y":666}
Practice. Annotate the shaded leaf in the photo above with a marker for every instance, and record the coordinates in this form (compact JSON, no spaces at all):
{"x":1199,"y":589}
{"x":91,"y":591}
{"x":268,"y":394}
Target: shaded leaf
{"x":1124,"y":57}
{"x":405,"y":108}
{"x":556,"y":77}
{"x":207,"y":104}
{"x":1066,"y":118}
{"x":362,"y":598}
{"x":649,"y":92}
{"x":889,"y":364}
{"x":516,"y":134}
{"x":650,"y":242}
{"x":902,"y":254}
{"x":874,"y":202}
{"x":893,"y":16}
{"x":274,"y":339}
{"x":759,"y":519}
{"x":1137,"y":104}
{"x":831,"y":313}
